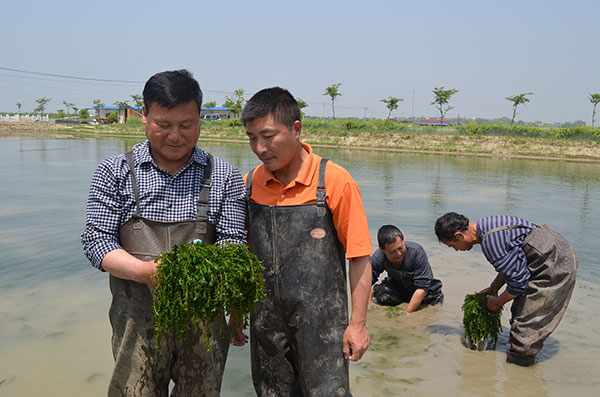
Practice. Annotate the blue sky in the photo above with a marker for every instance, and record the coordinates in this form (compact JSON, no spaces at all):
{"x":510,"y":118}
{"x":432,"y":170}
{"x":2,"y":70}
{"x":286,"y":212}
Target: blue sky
{"x":486,"y":50}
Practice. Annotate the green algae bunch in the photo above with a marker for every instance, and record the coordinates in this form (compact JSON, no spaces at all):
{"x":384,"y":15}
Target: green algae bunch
{"x":479,"y":322}
{"x":196,"y":283}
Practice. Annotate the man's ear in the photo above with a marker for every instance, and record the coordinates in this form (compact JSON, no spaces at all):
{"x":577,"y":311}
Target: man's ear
{"x":297,"y":128}
{"x":144,"y":114}
{"x":458,"y":235}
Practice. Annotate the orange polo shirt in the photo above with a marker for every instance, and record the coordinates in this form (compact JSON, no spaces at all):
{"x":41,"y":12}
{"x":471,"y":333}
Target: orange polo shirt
{"x":342,"y":196}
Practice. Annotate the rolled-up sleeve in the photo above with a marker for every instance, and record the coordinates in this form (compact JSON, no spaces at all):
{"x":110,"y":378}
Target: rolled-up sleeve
{"x":103,"y":215}
{"x":422,"y":271}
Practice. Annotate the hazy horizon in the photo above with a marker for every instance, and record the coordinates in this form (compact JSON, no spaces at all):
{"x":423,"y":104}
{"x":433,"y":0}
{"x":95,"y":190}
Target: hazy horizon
{"x":487,"y":51}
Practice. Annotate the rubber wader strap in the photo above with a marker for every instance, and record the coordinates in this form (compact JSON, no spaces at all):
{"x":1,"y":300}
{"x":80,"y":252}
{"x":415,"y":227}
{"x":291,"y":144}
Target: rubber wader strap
{"x":505,"y":227}
{"x":136,"y":193}
{"x":205,"y":188}
{"x":249,"y":185}
{"x":321,"y":203}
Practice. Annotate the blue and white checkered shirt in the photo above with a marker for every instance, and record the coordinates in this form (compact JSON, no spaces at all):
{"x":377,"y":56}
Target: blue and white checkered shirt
{"x":163,"y":197}
{"x":503,"y":249}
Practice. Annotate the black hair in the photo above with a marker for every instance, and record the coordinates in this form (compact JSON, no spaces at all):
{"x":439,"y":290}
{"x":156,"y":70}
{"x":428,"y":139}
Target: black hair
{"x":450,"y":223}
{"x":388,"y":234}
{"x":276,"y":101}
{"x":172,"y":88}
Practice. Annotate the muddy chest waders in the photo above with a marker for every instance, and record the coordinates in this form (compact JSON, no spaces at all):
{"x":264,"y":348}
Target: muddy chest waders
{"x":297,"y":330}
{"x":536,"y":313}
{"x":140,"y":369}
{"x":399,"y":287}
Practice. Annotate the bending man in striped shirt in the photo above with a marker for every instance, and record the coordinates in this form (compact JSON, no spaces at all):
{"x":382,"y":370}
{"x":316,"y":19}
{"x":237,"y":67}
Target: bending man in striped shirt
{"x":537,"y":265}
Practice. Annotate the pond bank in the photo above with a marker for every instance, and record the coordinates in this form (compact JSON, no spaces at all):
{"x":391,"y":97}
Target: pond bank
{"x":440,"y":141}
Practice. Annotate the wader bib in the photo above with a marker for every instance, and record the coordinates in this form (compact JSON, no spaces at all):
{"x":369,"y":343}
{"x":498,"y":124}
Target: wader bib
{"x":537,"y":312}
{"x":140,"y":369}
{"x":297,"y":330}
{"x":399,"y":287}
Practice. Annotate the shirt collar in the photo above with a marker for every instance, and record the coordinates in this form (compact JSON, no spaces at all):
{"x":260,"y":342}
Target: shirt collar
{"x":306,"y":173}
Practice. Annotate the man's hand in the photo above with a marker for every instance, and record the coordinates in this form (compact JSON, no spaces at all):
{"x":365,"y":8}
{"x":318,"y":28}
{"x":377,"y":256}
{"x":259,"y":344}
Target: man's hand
{"x":356,"y":342}
{"x":487,"y":291}
{"x":356,"y":337}
{"x":493,"y":304}
{"x":153,"y":279}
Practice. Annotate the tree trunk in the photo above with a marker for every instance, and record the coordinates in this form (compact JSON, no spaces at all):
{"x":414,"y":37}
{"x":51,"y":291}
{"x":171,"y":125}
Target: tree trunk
{"x":333,"y":108}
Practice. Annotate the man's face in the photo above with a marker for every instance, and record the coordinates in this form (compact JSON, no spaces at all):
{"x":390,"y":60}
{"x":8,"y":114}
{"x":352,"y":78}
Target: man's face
{"x":172,"y":133}
{"x":395,"y":251}
{"x":461,"y":242}
{"x":273,"y":142}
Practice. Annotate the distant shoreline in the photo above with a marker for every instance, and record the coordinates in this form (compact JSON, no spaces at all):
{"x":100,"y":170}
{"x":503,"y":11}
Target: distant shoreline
{"x":441,"y":141}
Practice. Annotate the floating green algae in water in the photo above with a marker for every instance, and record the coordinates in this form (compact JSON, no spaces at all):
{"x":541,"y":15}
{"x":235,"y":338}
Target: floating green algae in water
{"x":198,"y":282}
{"x":393,"y":311}
{"x":480,"y":323}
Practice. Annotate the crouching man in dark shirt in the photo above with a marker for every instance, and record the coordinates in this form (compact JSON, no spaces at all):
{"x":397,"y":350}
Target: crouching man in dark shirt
{"x":409,"y":276}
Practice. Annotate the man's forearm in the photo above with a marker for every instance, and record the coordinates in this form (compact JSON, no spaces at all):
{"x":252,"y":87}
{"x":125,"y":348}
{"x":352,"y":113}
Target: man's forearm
{"x":497,"y":283}
{"x":360,"y":288}
{"x":121,"y":264}
{"x":416,"y":300}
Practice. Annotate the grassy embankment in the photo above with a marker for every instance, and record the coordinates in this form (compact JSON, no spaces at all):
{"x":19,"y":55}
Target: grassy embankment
{"x":576,"y":143}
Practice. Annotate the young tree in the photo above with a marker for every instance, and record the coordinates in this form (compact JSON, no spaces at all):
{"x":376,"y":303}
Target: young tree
{"x":68,"y":105}
{"x":42,"y":102}
{"x":123,"y":105}
{"x":83,"y":114}
{"x":301,"y":104}
{"x":236,"y":102}
{"x":211,"y":104}
{"x":97,"y":105}
{"x":594,"y":99}
{"x":137,"y":100}
{"x":392,"y":104}
{"x":19,"y":106}
{"x":518,"y":100}
{"x":75,"y":108}
{"x":442,"y":97}
{"x":333,"y":92}
{"x":60,"y":114}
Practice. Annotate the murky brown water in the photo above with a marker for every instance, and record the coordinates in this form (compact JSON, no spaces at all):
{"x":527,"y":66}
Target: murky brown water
{"x":54,"y":329}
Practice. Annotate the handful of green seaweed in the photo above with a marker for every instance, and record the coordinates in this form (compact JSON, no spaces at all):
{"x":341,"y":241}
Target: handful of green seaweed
{"x":482,"y":326}
{"x":198,"y":282}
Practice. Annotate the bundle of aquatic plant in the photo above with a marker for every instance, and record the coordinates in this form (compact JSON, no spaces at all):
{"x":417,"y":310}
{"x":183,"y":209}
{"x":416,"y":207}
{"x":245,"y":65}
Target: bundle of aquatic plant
{"x":198,"y":282}
{"x":480,"y":322}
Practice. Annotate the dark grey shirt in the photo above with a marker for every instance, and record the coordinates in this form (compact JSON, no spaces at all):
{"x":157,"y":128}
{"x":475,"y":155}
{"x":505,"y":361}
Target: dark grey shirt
{"x":415,"y":261}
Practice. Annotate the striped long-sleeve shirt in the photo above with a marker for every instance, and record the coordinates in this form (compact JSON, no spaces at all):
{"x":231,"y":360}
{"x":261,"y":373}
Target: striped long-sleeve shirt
{"x":163,"y":197}
{"x":503,"y":249}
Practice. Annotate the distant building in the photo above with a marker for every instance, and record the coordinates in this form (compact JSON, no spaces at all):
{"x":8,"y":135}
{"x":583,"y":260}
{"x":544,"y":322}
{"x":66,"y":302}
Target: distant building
{"x":221,"y":111}
{"x":434,"y":122}
{"x":103,"y":112}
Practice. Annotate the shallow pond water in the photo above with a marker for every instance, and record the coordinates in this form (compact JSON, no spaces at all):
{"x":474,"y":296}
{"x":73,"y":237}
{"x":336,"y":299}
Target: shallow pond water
{"x":55,"y":334}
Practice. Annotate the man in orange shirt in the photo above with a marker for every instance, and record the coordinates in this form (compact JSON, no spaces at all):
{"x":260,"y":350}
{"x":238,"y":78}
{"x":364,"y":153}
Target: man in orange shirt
{"x":305,"y":215}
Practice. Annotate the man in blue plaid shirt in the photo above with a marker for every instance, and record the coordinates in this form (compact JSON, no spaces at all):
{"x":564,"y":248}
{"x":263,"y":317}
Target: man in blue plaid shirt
{"x":165,"y":191}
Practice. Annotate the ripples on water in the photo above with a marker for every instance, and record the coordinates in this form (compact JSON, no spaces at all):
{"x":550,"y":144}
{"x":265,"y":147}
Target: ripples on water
{"x":54,"y":305}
